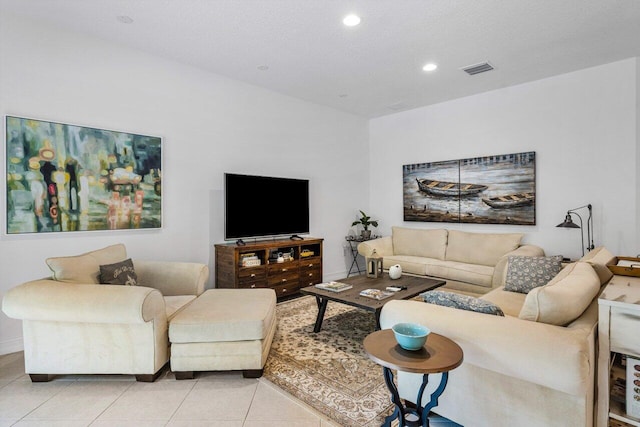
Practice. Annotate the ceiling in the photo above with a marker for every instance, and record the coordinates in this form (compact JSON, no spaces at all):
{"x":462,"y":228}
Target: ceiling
{"x":370,"y":70}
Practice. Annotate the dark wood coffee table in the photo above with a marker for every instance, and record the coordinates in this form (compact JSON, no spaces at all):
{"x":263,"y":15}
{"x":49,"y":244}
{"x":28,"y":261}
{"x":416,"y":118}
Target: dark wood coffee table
{"x":414,"y":285}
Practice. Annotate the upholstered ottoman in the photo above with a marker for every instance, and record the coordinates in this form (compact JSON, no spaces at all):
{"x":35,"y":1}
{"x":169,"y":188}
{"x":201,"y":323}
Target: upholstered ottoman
{"x":224,"y":330}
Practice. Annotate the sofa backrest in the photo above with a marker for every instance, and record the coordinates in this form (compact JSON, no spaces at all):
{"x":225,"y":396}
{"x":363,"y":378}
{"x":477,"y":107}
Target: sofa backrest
{"x":419,"y":242}
{"x":480,"y":248}
{"x":599,"y":258}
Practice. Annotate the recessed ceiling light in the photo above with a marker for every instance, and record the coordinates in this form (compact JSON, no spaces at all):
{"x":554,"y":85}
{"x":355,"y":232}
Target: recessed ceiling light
{"x":263,"y":67}
{"x":351,"y":20}
{"x":124,"y":19}
{"x":430,"y":67}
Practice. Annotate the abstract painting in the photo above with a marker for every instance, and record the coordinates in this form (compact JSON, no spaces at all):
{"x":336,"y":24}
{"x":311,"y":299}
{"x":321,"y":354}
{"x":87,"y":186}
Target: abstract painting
{"x":498,"y":189}
{"x":64,"y":178}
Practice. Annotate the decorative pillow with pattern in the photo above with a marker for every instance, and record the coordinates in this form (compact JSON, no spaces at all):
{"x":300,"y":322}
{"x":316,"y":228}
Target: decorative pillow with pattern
{"x":120,"y":273}
{"x":462,"y":302}
{"x":525,"y":273}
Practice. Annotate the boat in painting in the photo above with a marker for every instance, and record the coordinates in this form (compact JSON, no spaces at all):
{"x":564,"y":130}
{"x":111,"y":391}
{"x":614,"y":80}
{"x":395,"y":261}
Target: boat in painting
{"x":510,"y":200}
{"x":449,"y":189}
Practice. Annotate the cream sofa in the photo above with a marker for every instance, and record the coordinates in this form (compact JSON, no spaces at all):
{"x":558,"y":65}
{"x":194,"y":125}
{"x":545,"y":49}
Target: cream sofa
{"x":74,"y":325}
{"x":470,"y":262}
{"x":533,"y":367}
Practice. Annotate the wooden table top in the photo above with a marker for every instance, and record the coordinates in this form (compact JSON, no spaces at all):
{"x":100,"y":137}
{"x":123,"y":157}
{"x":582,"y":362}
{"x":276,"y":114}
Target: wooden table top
{"x":440,"y":354}
{"x":415,"y":286}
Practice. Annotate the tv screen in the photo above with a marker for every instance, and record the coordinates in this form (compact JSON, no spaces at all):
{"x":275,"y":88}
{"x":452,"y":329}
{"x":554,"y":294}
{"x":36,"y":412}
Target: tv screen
{"x":260,"y":206}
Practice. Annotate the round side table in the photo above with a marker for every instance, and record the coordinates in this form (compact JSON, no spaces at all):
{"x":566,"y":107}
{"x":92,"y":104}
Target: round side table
{"x":439,"y":355}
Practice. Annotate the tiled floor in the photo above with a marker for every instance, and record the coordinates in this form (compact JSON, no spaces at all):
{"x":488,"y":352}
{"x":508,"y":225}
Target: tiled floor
{"x":212,"y":399}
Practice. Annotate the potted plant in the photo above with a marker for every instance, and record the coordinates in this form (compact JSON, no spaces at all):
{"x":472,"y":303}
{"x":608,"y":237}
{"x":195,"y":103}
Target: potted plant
{"x":366,"y":221}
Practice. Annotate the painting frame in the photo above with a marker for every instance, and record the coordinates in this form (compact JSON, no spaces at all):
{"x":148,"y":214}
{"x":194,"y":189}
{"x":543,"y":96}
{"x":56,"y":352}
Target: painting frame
{"x":62,"y":178}
{"x":493,"y":189}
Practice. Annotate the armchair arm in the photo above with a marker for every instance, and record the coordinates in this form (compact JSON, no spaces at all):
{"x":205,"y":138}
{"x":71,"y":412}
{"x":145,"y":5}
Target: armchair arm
{"x":557,"y":357}
{"x":500,"y":271}
{"x":172,"y":278}
{"x":50,"y":300}
{"x":383,"y":247}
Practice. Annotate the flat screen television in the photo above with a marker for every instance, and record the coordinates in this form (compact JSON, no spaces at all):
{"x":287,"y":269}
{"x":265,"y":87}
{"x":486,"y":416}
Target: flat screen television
{"x":264,"y":206}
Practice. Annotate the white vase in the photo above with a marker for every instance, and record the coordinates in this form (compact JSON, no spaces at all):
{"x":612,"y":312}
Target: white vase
{"x":395,"y":271}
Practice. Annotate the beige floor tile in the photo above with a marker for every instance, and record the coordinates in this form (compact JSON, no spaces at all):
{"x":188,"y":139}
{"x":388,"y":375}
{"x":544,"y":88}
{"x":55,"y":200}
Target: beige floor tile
{"x":7,"y":422}
{"x":270,"y":404}
{"x":11,"y":366}
{"x":4,"y":383}
{"x":283,"y":423}
{"x":80,"y":401}
{"x":148,"y":401}
{"x":327,"y":423}
{"x":19,"y":398}
{"x":91,"y":377}
{"x":52,"y":423}
{"x":228,"y":398}
{"x":204,"y":423}
{"x":128,"y":423}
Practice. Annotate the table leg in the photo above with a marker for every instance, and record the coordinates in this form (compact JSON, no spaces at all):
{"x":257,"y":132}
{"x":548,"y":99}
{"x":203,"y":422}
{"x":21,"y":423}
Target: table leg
{"x":399,"y":410}
{"x":433,"y":402}
{"x":322,"y":307}
{"x":354,"y":260}
{"x":378,"y":311}
{"x":420,"y":414}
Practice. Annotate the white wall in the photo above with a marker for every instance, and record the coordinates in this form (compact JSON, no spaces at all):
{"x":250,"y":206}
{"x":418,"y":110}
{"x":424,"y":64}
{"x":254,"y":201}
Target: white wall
{"x":210,"y":125}
{"x":582,"y":126}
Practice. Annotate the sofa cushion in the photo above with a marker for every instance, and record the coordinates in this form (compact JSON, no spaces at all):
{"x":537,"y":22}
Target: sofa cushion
{"x":174,"y":304}
{"x":599,"y":258}
{"x":480,"y":248}
{"x":462,"y":302}
{"x":419,"y":242}
{"x":85,"y":268}
{"x":120,"y":273}
{"x":409,"y":264}
{"x":476,"y":274}
{"x":527,"y":272}
{"x":510,"y":302}
{"x":564,"y":298}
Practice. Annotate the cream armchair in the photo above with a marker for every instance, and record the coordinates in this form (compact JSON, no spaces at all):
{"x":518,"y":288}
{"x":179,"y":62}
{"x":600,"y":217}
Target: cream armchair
{"x":90,"y":328}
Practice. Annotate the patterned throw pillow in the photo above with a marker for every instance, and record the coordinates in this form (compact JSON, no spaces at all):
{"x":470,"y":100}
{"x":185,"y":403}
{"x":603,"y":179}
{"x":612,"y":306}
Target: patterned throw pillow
{"x":462,"y":302}
{"x":120,"y":273}
{"x":528,"y":272}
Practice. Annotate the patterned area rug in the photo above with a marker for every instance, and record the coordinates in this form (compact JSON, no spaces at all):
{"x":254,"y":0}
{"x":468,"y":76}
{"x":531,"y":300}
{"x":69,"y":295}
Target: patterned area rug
{"x":329,"y":370}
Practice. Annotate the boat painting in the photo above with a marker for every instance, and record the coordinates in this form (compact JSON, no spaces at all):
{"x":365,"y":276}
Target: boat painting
{"x":497,"y":189}
{"x":510,"y":200}
{"x":449,"y":189}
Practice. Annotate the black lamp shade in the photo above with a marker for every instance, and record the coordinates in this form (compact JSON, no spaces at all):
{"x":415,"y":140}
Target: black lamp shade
{"x":568,"y":223}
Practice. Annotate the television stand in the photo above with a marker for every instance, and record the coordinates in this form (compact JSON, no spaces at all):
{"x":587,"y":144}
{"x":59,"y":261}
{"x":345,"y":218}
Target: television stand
{"x":296,"y":237}
{"x":240,"y":242}
{"x":255,"y":264}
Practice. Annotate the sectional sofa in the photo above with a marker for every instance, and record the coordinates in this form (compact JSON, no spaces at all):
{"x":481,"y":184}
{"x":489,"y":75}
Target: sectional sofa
{"x":533,"y":367}
{"x":471,"y":262}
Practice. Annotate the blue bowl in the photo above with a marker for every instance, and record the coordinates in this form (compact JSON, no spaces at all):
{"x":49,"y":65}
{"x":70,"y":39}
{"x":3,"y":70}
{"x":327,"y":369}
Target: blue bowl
{"x":411,"y":336}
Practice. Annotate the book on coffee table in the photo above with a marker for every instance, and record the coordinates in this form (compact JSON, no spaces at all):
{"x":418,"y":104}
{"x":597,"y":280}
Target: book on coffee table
{"x":375,"y":294}
{"x":334,"y":286}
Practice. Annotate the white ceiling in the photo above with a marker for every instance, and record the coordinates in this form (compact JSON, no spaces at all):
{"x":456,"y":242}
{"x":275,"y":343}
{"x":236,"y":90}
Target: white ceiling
{"x":311,"y":55}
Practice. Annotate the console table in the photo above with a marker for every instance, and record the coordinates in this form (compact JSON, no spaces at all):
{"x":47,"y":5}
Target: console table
{"x":618,"y":326}
{"x":439,"y":355}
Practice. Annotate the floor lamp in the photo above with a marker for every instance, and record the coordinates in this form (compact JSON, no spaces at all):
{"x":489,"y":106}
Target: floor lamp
{"x":568,"y":223}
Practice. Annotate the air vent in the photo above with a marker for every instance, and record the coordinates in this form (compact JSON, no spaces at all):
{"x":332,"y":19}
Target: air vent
{"x":398,"y":106}
{"x":477,"y":68}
